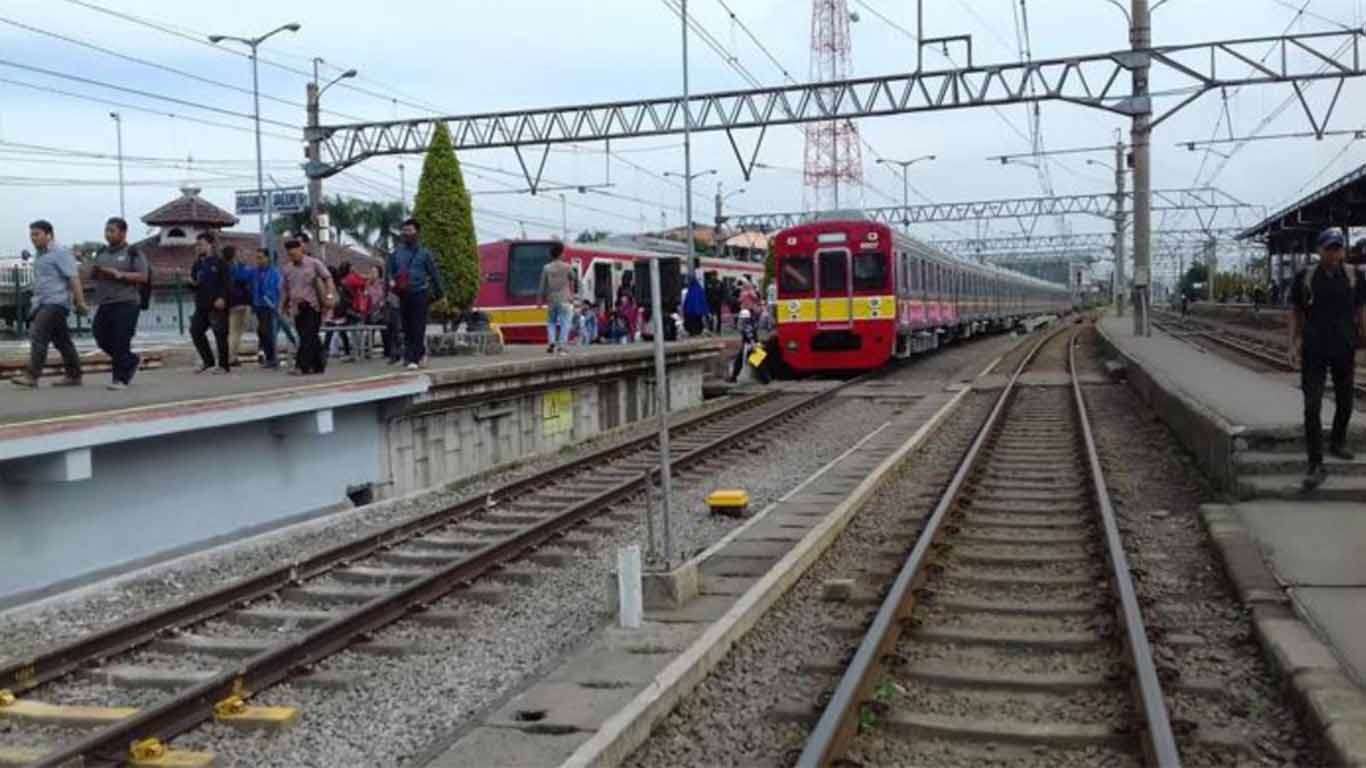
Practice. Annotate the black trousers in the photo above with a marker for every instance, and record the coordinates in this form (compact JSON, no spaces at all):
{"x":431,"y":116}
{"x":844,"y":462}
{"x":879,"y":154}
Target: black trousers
{"x":203,"y":321}
{"x":392,"y":334}
{"x":413,"y":308}
{"x":265,"y":332}
{"x":1317,"y":365}
{"x":48,"y":327}
{"x":113,"y":327}
{"x":311,"y":358}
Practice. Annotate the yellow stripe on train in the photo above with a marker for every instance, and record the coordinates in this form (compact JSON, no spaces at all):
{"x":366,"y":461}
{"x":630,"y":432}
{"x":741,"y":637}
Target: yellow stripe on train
{"x":836,"y":310}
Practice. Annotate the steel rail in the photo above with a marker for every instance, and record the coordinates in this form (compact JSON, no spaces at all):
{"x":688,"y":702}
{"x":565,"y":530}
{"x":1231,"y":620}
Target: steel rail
{"x":839,"y":721}
{"x":64,"y":659}
{"x":1160,"y":742}
{"x":194,"y":705}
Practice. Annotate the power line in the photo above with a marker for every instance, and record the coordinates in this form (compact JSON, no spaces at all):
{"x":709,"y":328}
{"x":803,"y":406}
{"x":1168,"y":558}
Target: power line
{"x":147,"y":110}
{"x":202,"y":40}
{"x":47,"y":149}
{"x":159,"y":66}
{"x":756,"y":40}
{"x":139,"y":92}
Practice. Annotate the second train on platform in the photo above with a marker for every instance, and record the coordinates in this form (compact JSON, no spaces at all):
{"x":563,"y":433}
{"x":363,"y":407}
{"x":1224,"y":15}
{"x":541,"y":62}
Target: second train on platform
{"x":854,"y":293}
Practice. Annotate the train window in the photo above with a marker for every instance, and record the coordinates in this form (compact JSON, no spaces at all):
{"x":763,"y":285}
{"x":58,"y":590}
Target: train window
{"x":834,"y":272}
{"x":870,"y":271}
{"x":796,"y":276}
{"x":524,"y":267}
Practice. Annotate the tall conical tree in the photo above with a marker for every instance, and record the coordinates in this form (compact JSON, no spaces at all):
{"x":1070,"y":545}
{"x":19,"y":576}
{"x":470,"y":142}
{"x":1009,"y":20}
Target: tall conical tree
{"x":443,"y":209}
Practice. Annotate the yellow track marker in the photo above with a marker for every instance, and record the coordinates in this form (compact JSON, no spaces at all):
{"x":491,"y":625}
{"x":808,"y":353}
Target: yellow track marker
{"x":60,"y":714}
{"x":151,"y":753}
{"x":234,"y":711}
{"x":730,"y":502}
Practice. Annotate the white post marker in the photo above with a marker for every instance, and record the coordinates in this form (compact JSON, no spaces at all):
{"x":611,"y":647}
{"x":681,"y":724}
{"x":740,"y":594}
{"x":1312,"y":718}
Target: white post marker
{"x":630,"y":593}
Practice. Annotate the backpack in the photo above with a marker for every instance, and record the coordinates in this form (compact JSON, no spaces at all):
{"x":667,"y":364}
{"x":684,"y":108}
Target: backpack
{"x":1308,"y":275}
{"x":144,"y":289}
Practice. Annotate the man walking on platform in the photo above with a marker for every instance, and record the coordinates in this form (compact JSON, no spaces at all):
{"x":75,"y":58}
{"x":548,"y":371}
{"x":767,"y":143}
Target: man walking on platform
{"x":265,"y":302}
{"x":120,"y":274}
{"x":414,"y":279}
{"x":308,"y":292}
{"x":1325,"y":325}
{"x":557,"y":293}
{"x":209,"y":277}
{"x":56,"y":288}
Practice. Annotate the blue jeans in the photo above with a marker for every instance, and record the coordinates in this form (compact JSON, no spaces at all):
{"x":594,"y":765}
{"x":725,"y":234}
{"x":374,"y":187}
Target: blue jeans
{"x":559,"y":318}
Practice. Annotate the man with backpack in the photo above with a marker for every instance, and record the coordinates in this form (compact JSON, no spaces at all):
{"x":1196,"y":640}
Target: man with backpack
{"x":121,"y":278}
{"x":1325,"y":326}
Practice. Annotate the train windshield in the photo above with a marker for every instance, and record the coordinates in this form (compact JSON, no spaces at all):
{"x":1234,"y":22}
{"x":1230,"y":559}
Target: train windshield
{"x":524,"y":267}
{"x":796,"y":275}
{"x":870,"y":271}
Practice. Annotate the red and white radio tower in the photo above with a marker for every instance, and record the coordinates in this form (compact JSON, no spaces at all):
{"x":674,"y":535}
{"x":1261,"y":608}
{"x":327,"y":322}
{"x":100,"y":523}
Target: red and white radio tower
{"x":833,"y":151}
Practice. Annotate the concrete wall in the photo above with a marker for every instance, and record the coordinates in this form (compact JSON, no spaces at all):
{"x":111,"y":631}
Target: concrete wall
{"x":150,"y":495}
{"x":425,"y":448}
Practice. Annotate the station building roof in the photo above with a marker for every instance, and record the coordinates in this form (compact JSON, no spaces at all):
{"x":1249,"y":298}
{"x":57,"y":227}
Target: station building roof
{"x":1295,"y":228}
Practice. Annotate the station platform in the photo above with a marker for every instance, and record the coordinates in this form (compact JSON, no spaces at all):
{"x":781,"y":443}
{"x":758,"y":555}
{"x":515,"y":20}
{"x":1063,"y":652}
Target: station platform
{"x":1297,"y":559}
{"x":94,"y":482}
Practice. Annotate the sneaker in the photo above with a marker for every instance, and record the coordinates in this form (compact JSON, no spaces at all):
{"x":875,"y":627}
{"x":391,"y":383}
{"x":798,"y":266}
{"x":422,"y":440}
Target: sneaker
{"x":393,"y":361}
{"x":564,"y":351}
{"x":412,"y":366}
{"x":1341,"y":452}
{"x":115,"y":386}
{"x":24,"y":382}
{"x":550,"y":350}
{"x":67,"y":381}
{"x":204,"y":369}
{"x":1314,"y":477}
{"x":218,"y":371}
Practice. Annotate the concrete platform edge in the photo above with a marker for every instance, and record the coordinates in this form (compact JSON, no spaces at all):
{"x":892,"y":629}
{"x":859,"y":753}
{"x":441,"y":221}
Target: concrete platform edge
{"x":1206,"y":434}
{"x":1329,"y":701}
{"x":626,"y":730}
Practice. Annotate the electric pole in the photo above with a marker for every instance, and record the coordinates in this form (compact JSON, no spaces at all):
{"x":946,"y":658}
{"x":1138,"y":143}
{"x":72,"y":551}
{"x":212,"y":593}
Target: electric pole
{"x":403,"y":190}
{"x":315,"y":139}
{"x":1118,"y":288}
{"x":1140,"y":135}
{"x":687,"y":157}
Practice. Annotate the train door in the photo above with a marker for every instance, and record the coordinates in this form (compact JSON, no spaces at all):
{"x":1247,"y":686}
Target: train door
{"x":602,"y":284}
{"x":834,"y":291}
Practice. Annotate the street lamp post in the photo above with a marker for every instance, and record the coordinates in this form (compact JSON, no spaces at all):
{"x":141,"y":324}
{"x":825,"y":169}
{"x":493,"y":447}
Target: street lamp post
{"x":118,"y":132}
{"x":314,"y":138}
{"x":1117,"y":287}
{"x":905,"y":179}
{"x":687,"y":150}
{"x":720,"y":217}
{"x":253,"y":43}
{"x":403,"y":190}
{"x":687,"y":176}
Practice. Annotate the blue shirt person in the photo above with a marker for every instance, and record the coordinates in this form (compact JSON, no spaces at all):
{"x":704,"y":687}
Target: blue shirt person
{"x":56,"y":289}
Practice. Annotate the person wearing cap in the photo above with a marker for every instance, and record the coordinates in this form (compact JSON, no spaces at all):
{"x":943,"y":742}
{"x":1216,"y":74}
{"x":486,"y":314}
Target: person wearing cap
{"x":1325,"y":326}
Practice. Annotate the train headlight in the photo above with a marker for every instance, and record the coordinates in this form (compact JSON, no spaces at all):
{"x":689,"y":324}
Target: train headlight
{"x":872,"y":237}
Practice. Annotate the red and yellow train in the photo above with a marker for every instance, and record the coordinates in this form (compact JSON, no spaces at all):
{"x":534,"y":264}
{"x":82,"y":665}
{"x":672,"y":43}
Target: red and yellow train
{"x":510,"y":277}
{"x":854,"y":293}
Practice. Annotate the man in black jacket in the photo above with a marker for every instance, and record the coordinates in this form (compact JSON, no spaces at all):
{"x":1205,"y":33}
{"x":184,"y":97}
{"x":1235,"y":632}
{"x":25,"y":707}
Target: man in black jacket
{"x":211,"y":279}
{"x":1325,"y":325}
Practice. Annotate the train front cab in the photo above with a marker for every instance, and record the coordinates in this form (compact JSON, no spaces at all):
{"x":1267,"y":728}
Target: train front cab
{"x":836,"y":310}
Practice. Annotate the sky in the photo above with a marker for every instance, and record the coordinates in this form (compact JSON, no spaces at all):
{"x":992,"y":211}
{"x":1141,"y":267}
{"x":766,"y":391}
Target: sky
{"x":418,"y":59}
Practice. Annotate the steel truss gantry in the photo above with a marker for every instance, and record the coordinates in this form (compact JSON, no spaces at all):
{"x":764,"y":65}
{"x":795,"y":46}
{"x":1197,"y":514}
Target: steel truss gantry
{"x":1088,"y":241}
{"x":1200,"y":199}
{"x":1093,"y":80}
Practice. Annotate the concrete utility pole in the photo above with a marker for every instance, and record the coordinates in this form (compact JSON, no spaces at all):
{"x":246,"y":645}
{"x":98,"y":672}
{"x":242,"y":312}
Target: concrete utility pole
{"x":1140,"y":135}
{"x":118,"y":132}
{"x":253,"y":43}
{"x":720,"y":216}
{"x":1118,"y":289}
{"x":315,"y":183}
{"x":403,"y":190}
{"x":687,"y":154}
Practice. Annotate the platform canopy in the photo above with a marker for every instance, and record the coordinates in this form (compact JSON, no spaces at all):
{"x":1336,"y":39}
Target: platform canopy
{"x":1294,"y":229}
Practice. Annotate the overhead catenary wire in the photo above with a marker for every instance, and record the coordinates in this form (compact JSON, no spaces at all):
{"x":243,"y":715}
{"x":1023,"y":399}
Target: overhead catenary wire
{"x":147,"y":110}
{"x":140,"y":92}
{"x":159,"y":66}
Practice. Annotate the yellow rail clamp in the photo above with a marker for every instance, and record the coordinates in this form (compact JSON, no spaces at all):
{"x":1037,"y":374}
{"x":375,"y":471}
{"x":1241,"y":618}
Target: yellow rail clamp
{"x":730,"y":502}
{"x":151,"y":753}
{"x":60,"y":714}
{"x":234,"y":711}
{"x":6,"y":697}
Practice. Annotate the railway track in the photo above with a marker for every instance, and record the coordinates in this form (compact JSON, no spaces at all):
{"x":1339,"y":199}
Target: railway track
{"x":1012,"y":633}
{"x":350,"y":591}
{"x":1272,"y":356}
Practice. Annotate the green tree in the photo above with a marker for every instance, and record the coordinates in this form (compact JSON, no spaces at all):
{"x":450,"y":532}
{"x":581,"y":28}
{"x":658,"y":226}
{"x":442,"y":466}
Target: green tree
{"x":1197,"y":274}
{"x":443,"y":209}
